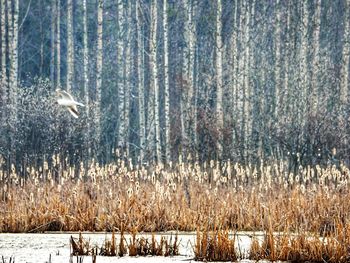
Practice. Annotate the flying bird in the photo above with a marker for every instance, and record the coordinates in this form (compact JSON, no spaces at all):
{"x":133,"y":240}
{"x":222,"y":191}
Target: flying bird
{"x":65,"y":99}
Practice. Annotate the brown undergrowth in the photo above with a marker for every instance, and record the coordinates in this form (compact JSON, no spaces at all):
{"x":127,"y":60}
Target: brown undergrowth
{"x":275,"y":246}
{"x":303,"y":247}
{"x":137,"y":246}
{"x":215,"y":246}
{"x":182,"y":197}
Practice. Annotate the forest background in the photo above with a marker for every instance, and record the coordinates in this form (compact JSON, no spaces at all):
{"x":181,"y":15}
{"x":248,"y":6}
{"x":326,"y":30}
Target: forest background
{"x":163,"y":80}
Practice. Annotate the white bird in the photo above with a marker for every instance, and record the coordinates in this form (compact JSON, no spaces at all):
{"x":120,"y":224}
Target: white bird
{"x":65,"y":99}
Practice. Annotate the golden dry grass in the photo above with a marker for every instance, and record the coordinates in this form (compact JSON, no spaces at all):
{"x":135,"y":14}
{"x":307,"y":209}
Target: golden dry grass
{"x":137,"y":246}
{"x":303,"y":247}
{"x":215,"y":246}
{"x":179,"y":197}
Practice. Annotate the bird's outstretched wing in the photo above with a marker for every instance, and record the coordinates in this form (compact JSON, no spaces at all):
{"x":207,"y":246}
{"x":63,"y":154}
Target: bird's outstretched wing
{"x":65,"y":95}
{"x":65,"y":99}
{"x":74,"y":111}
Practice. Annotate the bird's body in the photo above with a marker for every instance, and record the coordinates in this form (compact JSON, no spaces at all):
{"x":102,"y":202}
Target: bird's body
{"x":65,"y":99}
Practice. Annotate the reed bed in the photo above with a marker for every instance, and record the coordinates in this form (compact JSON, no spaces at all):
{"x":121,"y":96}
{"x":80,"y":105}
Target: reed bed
{"x":137,"y":246}
{"x":215,"y":246}
{"x":181,"y":196}
{"x":303,"y":247}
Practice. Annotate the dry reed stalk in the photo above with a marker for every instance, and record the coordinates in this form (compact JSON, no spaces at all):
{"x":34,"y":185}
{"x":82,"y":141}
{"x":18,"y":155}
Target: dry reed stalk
{"x":215,"y":246}
{"x":80,"y":246}
{"x":243,"y":197}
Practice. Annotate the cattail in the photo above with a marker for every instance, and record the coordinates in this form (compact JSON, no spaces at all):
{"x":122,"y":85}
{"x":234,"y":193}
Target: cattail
{"x":130,"y":192}
{"x":31,"y":197}
{"x":119,"y":203}
{"x":211,"y":163}
{"x":153,"y":178}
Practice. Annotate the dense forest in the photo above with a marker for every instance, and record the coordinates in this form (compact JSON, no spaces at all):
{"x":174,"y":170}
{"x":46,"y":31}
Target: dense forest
{"x":164,"y":80}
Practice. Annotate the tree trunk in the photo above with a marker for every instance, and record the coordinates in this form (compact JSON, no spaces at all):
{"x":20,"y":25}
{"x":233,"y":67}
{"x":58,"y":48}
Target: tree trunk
{"x":86,"y":77}
{"x":4,"y":81}
{"x":41,"y":67}
{"x":154,"y":79}
{"x":166,"y":83}
{"x":52,"y":41}
{"x":316,"y":59}
{"x":278,"y":86}
{"x":70,"y":47}
{"x":240,"y":124}
{"x":141,"y":92}
{"x":247,"y":88}
{"x":345,"y":58}
{"x":233,"y":78}
{"x":120,"y":83}
{"x":219,"y":85}
{"x":127,"y":75}
{"x":189,"y":63}
{"x":99,"y":61}
{"x":304,"y":74}
{"x":58,"y":43}
{"x":13,"y":52}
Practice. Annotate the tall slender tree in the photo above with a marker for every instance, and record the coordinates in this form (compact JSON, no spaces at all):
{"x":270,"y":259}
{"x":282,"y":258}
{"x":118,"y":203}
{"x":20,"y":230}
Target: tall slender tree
{"x":304,"y":73}
{"x":278,"y":64}
{"x":52,"y":40}
{"x":166,"y":83}
{"x":86,"y":74}
{"x":316,"y":57}
{"x":140,"y":71}
{"x":70,"y":46}
{"x":219,"y":81}
{"x":344,"y":85}
{"x":154,"y":80}
{"x":188,"y":91}
{"x":247,"y":107}
{"x":127,"y":74}
{"x":120,"y":83}
{"x":58,"y":43}
{"x":99,"y":63}
{"x":4,"y":80}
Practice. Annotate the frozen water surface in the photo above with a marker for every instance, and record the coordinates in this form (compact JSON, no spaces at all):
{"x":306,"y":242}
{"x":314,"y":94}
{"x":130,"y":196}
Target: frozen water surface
{"x":38,"y":248}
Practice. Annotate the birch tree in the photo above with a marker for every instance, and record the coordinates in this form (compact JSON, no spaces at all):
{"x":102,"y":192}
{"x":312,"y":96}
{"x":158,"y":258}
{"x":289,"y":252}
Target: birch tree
{"x":233,"y":74}
{"x":185,"y":78}
{"x":99,"y":63}
{"x":120,"y":83}
{"x":52,"y":41}
{"x":189,"y":62}
{"x":287,"y":55}
{"x":3,"y":79}
{"x":316,"y":57}
{"x":219,"y":85}
{"x":86,"y":73}
{"x":141,"y":92}
{"x":166,"y":83}
{"x":3,"y":50}
{"x":303,"y":61}
{"x":58,"y":43}
{"x":344,"y":85}
{"x":154,"y":79}
{"x":127,"y":75}
{"x":246,"y":81}
{"x":277,"y":43}
{"x":70,"y":47}
{"x":344,"y":73}
{"x":13,"y":80}
{"x":240,"y":97}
